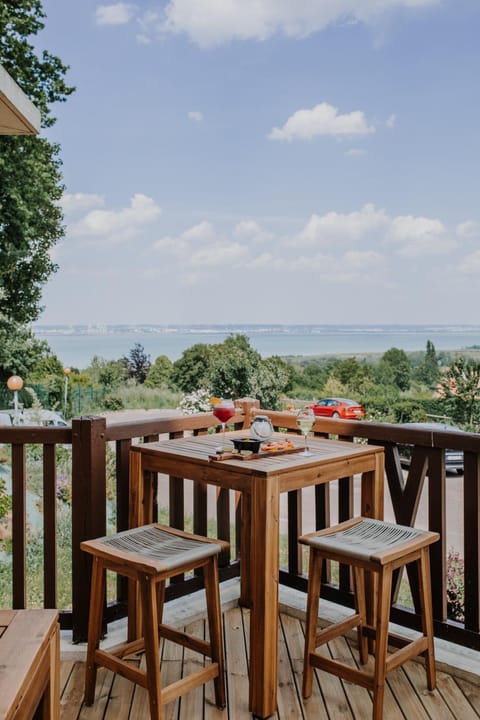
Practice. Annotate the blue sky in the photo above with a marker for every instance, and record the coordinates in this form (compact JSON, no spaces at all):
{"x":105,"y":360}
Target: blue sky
{"x":283,"y":161}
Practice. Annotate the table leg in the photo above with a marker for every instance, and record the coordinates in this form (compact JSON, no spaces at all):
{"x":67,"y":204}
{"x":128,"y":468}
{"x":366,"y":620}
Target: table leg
{"x":265,"y":509}
{"x":372,"y":489}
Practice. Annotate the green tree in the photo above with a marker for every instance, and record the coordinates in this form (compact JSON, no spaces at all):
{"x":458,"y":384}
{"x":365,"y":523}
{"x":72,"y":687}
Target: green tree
{"x":21,"y":352}
{"x":428,"y":372}
{"x":160,"y":373}
{"x":190,"y":371}
{"x":352,"y":374}
{"x":461,"y":384}
{"x":233,"y":365}
{"x":232,"y":369}
{"x":394,"y":369}
{"x":137,"y":363}
{"x":30,"y":170}
{"x":110,"y":373}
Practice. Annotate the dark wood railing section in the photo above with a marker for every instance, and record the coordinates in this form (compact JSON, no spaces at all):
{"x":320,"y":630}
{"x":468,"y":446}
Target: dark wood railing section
{"x":90,"y":436}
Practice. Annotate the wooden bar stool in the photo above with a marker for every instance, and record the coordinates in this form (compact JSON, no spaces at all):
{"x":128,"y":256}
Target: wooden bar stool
{"x":149,"y":555}
{"x":378,"y":547}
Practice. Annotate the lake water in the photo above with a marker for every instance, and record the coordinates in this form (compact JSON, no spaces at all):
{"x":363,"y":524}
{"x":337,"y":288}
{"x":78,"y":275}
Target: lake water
{"x":76,"y":346}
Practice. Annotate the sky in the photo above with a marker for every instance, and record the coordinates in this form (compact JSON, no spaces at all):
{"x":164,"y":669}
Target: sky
{"x":269,"y":161}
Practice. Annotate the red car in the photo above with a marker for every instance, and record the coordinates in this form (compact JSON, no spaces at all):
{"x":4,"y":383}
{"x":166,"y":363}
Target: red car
{"x":338,"y":408}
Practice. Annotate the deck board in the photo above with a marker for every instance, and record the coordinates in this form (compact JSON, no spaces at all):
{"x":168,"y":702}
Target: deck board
{"x":406,"y":695}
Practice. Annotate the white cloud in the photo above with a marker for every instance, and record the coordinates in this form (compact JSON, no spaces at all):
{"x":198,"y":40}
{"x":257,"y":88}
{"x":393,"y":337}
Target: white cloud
{"x":334,"y":227}
{"x":74,"y":202}
{"x":417,"y":236}
{"x":210,"y":22}
{"x":323,"y":119}
{"x":470,"y":265}
{"x":251,"y":230}
{"x":115,"y":14}
{"x":468,"y":229}
{"x":195,"y":116}
{"x":118,"y":225}
{"x":355,"y":152}
{"x":203,"y":231}
{"x":219,"y":255}
{"x":188,"y":242}
{"x":391,"y":121}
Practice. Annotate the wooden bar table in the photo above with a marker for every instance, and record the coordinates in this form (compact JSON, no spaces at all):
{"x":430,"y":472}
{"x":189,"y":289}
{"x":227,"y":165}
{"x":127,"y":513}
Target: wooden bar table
{"x":29,"y":665}
{"x":261,"y":480}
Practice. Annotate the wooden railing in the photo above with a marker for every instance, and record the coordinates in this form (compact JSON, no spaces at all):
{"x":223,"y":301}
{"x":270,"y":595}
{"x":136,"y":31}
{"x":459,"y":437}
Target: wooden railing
{"x":90,"y":436}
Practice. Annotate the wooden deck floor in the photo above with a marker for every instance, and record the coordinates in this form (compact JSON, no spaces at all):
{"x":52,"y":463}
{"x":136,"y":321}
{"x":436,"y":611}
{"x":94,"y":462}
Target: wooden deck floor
{"x":406,"y":697}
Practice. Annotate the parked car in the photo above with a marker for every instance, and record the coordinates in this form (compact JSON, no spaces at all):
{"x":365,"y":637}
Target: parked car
{"x":338,"y":408}
{"x":453,"y":458}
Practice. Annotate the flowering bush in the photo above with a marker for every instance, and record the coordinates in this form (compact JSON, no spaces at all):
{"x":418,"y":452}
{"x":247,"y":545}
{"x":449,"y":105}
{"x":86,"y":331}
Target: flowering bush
{"x":195,"y":402}
{"x":455,"y":586}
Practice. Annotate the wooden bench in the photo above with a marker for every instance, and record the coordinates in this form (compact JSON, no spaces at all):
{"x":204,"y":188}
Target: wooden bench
{"x":29,"y":665}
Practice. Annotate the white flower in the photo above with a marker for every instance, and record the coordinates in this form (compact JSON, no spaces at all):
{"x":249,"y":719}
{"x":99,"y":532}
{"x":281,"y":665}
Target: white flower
{"x":195,"y":402}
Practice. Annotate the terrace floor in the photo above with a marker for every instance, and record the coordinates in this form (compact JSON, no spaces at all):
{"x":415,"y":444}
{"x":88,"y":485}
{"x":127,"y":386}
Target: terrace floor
{"x":406,"y":698}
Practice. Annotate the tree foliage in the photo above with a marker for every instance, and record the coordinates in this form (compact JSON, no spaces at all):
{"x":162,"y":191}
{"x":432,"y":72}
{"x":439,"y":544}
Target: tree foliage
{"x":21,"y":353}
{"x":394,"y":369}
{"x":160,"y":372}
{"x":137,"y":363}
{"x":190,"y":370}
{"x":30,"y":171}
{"x":461,"y":384}
{"x":232,"y":369}
{"x":428,"y":372}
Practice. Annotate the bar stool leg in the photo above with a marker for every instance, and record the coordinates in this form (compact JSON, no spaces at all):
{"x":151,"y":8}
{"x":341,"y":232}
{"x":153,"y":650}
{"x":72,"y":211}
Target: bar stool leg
{"x":214,"y":611}
{"x":97,"y":593}
{"x":148,"y":594}
{"x":361,"y":608}
{"x":313,"y":596}
{"x":381,"y":641}
{"x":160,"y":600}
{"x":427,"y":615}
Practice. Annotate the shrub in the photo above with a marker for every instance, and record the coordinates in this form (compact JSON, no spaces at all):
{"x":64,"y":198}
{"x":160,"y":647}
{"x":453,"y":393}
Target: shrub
{"x":455,"y":586}
{"x":195,"y":402}
{"x":113,"y":402}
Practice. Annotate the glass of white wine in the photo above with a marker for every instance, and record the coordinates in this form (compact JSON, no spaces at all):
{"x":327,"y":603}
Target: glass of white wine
{"x":305,"y":420}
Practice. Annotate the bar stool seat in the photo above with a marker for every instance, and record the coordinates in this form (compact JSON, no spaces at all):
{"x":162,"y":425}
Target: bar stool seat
{"x":148,"y":556}
{"x":377,"y":547}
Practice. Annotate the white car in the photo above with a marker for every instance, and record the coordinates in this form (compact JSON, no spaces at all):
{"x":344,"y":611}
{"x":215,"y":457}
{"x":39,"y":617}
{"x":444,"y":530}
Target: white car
{"x":32,"y":418}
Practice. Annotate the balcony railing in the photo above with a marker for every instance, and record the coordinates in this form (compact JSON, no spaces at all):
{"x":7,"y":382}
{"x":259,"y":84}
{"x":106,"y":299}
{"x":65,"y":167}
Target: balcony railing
{"x":92,"y":439}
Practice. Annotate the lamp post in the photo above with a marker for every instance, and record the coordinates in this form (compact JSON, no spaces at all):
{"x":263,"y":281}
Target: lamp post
{"x":15,"y":383}
{"x":66,"y":372}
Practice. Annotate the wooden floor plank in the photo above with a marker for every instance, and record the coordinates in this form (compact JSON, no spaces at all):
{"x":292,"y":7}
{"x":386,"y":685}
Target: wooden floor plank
{"x":406,"y":693}
{"x":236,"y":665}
{"x":191,"y":705}
{"x":121,"y":697}
{"x":290,"y":704}
{"x":172,"y":664}
{"x":434,"y":701}
{"x":471,"y":692}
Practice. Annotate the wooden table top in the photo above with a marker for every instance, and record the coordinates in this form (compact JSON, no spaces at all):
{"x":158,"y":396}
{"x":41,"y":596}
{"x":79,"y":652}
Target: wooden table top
{"x":183,"y":454}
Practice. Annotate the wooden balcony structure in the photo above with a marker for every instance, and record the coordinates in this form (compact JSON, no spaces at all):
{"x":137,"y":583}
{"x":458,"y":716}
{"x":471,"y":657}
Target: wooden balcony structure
{"x":420,"y":497}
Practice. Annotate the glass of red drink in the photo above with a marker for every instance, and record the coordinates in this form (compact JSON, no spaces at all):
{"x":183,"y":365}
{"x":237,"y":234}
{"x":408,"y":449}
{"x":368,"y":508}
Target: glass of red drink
{"x":223,"y":411}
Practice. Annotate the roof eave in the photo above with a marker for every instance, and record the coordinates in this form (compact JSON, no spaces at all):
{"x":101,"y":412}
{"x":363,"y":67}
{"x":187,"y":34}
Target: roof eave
{"x":18,"y":115}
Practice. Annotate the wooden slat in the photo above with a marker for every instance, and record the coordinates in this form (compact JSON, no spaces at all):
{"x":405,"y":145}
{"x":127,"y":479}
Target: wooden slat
{"x":49,"y":527}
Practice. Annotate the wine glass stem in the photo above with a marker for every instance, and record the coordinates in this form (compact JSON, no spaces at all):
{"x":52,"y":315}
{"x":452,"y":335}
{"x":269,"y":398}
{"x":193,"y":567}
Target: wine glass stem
{"x":306,"y":446}
{"x":223,"y":435}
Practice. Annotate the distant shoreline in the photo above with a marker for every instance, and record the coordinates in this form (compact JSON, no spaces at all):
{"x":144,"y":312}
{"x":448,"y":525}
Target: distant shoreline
{"x":76,"y":345}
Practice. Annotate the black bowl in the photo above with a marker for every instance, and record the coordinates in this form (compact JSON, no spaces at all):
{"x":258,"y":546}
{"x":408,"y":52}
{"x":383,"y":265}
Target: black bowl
{"x":249,"y":444}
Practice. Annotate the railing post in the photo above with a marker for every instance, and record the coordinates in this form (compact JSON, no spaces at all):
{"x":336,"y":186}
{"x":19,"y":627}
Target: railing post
{"x":88,"y":510}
